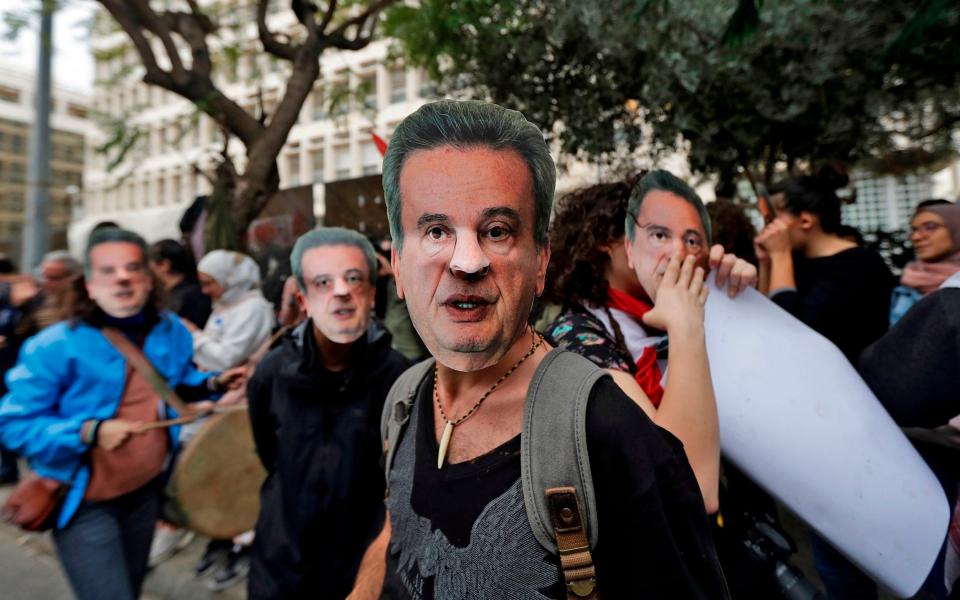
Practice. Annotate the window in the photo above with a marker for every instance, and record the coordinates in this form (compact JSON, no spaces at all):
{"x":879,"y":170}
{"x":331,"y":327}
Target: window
{"x":910,"y":191}
{"x":342,"y":162}
{"x":428,"y":89}
{"x":341,"y":100}
{"x":368,"y":85}
{"x":867,"y":213}
{"x":316,"y":159}
{"x":371,"y":158}
{"x":398,"y":86}
{"x":8,"y":94}
{"x":293,"y":169}
{"x":77,"y":111}
{"x":319,"y":111}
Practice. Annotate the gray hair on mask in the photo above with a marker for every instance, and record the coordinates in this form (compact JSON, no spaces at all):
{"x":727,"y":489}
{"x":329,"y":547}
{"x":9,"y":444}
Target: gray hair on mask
{"x":467,"y":125}
{"x":331,"y":236}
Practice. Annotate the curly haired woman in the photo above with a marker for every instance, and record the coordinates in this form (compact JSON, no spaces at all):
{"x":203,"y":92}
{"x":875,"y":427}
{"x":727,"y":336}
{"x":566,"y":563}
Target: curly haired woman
{"x":619,"y":306}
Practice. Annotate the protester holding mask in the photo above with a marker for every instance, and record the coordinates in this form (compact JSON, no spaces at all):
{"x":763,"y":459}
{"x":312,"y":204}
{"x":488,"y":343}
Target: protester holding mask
{"x":593,"y":274}
{"x":76,"y":409}
{"x":320,"y":394}
{"x":935,"y":233}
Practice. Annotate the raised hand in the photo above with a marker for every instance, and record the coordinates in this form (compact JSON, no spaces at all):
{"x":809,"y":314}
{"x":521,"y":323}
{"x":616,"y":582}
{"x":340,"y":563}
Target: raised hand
{"x":681,"y":294}
{"x":739,"y":273}
{"x":774,"y":239}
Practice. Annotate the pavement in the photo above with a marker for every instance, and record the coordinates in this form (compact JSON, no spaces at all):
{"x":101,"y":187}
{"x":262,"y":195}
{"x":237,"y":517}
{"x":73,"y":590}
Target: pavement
{"x":29,"y":570}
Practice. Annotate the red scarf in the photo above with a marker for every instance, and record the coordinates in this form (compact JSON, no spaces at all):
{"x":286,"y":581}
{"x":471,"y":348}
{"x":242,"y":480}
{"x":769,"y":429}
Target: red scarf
{"x":648,"y":373}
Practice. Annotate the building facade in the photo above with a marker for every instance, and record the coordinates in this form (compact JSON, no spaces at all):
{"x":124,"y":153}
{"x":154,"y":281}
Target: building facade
{"x":887,"y":202}
{"x":69,"y":123}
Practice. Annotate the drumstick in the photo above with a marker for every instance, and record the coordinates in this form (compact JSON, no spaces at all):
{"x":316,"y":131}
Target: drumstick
{"x":190,"y":418}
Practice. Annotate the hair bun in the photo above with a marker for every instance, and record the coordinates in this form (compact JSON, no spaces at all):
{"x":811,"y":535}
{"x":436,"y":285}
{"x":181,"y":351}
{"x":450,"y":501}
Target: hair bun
{"x":832,"y":176}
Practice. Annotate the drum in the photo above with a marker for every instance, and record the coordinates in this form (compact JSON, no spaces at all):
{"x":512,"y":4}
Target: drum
{"x":215,"y":487}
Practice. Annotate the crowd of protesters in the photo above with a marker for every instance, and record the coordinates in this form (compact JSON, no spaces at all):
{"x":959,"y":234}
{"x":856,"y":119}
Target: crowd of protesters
{"x":614,"y":272}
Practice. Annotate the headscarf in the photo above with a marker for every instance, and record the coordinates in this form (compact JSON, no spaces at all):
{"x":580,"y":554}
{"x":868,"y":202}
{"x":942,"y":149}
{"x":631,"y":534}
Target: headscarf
{"x":236,"y":273}
{"x":928,"y":276}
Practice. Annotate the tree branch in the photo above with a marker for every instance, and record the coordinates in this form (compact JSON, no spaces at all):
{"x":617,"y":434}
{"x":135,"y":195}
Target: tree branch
{"x":132,"y":27}
{"x":372,"y":10}
{"x":193,"y":29}
{"x":270,"y":42}
{"x":262,"y":155}
{"x":151,"y":21}
{"x":328,"y":15}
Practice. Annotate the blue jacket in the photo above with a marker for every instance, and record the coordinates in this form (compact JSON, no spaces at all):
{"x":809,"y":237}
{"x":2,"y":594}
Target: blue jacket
{"x":68,"y":374}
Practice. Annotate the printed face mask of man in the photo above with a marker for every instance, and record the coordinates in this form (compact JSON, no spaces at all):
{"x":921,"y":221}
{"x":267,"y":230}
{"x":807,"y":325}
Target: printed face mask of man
{"x":469,"y":267}
{"x":338,"y":294}
{"x":118,"y":278}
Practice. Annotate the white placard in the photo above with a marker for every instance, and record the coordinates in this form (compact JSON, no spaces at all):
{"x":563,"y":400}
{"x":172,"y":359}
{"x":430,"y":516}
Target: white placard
{"x":797,"y":418}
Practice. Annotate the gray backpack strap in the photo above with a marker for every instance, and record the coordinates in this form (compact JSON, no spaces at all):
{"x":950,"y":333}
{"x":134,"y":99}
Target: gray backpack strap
{"x":553,"y":445}
{"x":397,"y":407}
{"x":555,"y":467}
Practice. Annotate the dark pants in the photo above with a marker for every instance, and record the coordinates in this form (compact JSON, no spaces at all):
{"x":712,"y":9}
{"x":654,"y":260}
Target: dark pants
{"x":8,"y":465}
{"x":105,"y":547}
{"x":843,"y":579}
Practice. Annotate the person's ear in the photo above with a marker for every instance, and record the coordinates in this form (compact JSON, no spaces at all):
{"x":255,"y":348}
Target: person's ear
{"x":808,"y":220}
{"x":301,"y":300}
{"x":395,"y":265}
{"x":543,"y":257}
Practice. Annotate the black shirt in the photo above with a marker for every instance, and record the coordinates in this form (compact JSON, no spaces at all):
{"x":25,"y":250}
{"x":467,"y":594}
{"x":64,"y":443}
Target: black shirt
{"x":189,"y":302}
{"x":654,"y":540}
{"x":844,"y":297}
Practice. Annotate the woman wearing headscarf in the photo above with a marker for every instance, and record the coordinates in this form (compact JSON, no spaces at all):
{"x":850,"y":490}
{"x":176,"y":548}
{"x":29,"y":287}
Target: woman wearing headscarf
{"x":240,"y":323}
{"x":242,"y":318}
{"x":935,"y":233}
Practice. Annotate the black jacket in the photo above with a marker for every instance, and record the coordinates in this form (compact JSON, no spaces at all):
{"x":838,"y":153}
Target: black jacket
{"x":914,"y":370}
{"x":189,"y":302}
{"x":318,"y":435}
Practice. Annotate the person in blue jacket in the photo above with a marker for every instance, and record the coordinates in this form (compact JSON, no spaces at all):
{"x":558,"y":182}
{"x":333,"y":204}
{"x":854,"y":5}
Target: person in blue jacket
{"x":76,"y":410}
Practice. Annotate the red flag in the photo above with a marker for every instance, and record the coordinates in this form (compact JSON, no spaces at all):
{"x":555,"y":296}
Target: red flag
{"x":379,"y":143}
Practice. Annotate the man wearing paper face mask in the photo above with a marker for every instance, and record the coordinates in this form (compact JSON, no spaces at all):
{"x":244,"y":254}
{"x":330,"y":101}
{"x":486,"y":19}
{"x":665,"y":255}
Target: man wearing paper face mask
{"x":315,"y":402}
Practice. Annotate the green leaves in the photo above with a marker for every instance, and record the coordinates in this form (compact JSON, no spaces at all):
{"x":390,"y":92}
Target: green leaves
{"x":743,"y":25}
{"x":735,"y":83}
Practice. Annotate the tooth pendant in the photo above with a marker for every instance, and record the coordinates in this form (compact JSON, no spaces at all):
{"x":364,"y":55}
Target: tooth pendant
{"x":444,"y":443}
